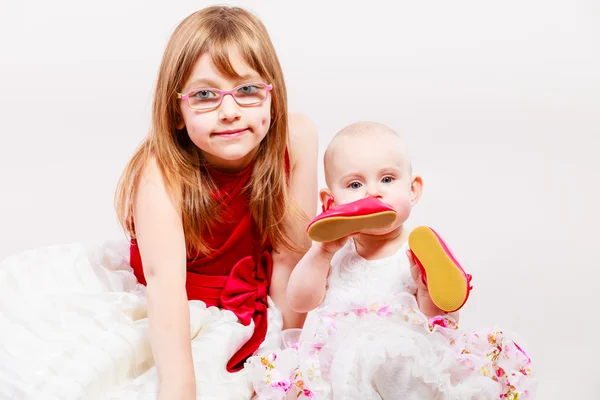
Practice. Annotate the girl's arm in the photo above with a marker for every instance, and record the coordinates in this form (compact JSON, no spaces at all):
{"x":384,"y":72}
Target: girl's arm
{"x":161,"y":241}
{"x":303,"y":180}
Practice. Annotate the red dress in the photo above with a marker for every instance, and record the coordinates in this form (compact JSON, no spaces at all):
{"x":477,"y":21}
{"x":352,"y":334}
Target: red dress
{"x":237,"y":274}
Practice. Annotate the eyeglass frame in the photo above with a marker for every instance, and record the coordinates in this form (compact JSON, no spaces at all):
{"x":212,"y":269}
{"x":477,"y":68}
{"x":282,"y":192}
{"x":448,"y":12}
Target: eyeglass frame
{"x":223,"y":93}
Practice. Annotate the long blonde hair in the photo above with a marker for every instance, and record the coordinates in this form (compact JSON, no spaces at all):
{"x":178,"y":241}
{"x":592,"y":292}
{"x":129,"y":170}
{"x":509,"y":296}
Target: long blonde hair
{"x":214,"y":31}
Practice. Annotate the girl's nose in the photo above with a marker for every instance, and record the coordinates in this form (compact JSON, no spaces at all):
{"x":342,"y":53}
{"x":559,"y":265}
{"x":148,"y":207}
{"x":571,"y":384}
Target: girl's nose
{"x":229,"y":109}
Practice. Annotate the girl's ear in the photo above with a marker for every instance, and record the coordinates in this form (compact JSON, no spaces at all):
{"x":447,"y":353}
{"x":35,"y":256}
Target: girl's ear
{"x":180,"y":122}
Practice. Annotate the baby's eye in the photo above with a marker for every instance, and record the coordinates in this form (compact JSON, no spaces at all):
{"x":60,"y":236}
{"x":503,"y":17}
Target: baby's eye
{"x":387,"y":179}
{"x":355,"y":185}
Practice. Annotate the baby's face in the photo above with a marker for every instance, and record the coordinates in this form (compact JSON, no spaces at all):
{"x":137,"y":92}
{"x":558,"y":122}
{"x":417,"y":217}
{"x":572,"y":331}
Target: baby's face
{"x":364,"y":166}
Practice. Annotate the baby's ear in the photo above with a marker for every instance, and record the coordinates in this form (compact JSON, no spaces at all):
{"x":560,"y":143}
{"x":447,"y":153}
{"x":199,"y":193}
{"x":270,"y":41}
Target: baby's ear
{"x":416,"y":188}
{"x":325,"y":195}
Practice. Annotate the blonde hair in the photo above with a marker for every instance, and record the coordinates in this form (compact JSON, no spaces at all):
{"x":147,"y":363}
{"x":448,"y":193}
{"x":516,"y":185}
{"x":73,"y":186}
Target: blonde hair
{"x":214,"y":31}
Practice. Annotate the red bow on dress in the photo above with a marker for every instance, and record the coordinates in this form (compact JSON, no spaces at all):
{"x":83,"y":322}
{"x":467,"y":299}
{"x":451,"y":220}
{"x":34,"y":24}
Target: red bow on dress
{"x":243,"y":292}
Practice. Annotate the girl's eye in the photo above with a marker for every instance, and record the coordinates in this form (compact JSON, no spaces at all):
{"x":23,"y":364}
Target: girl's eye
{"x":387,"y":179}
{"x":204,"y":95}
{"x":355,"y":185}
{"x":247,"y":90}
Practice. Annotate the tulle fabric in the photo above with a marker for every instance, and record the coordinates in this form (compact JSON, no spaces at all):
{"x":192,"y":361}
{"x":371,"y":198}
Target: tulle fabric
{"x":73,"y":325}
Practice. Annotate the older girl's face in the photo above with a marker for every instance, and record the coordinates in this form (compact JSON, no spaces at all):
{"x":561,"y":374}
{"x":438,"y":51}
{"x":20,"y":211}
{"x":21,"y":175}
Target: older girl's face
{"x":229,"y":134}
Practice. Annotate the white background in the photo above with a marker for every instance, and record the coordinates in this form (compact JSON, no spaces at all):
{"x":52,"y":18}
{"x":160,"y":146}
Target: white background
{"x":499,"y":101}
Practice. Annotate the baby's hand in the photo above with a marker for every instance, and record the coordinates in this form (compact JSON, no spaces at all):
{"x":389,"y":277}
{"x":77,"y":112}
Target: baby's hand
{"x":426,"y":304}
{"x":332,"y":247}
{"x":415,"y":272}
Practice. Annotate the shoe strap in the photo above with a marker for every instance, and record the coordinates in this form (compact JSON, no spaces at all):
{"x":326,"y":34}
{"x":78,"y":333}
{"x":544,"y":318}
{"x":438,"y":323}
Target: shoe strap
{"x":325,"y":206}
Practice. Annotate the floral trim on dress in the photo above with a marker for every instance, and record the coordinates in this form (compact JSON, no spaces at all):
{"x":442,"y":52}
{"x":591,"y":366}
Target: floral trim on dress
{"x":506,"y":349}
{"x":277,"y":383}
{"x":498,"y":350}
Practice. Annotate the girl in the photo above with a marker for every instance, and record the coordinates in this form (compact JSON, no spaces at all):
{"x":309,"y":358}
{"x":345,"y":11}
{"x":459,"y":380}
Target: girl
{"x":375,"y":333}
{"x":214,"y":201}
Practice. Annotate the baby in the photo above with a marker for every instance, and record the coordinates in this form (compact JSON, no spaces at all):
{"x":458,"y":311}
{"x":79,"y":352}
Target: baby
{"x":373,"y":331}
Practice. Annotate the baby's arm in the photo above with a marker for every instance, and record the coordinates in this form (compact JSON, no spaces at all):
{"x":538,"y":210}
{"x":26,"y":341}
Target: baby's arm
{"x":161,"y":242}
{"x":306,"y":288}
{"x":426,"y":305}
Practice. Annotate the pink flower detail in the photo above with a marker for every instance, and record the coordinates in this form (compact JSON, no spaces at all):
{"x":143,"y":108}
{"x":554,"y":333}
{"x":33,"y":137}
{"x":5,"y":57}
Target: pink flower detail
{"x":522,"y":351}
{"x":361,"y":311}
{"x":384,"y":311}
{"x":439,"y":321}
{"x":284,"y":385}
{"x":308,"y":393}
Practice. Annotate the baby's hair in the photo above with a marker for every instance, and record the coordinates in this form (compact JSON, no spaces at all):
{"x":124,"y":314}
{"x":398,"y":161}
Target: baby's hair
{"x":214,"y":31}
{"x":370,"y":129}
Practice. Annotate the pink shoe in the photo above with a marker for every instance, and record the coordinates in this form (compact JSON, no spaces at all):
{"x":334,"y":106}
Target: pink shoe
{"x":448,"y":284}
{"x":346,"y":219}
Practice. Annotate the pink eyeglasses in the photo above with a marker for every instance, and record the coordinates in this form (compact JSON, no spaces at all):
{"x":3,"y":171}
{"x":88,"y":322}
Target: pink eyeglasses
{"x":247,"y":94}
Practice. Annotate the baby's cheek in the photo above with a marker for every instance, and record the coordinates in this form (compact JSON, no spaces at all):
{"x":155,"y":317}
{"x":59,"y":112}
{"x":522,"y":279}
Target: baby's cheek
{"x":403,"y":209}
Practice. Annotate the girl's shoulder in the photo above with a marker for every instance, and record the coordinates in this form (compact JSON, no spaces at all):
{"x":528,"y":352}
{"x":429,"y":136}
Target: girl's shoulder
{"x":299,"y":120}
{"x":150,"y":173}
{"x":152,"y":188}
{"x":303,"y":136}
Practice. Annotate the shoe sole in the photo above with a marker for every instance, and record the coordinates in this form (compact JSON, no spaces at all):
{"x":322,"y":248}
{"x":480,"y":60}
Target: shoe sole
{"x":334,"y":228}
{"x":447,"y":283}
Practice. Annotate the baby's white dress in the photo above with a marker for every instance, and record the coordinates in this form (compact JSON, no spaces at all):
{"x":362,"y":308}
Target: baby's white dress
{"x":368,"y":340}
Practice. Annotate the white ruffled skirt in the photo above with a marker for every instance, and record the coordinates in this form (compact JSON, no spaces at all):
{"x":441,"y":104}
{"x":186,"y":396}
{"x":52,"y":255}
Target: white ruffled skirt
{"x":393,"y":352}
{"x":73,"y":325}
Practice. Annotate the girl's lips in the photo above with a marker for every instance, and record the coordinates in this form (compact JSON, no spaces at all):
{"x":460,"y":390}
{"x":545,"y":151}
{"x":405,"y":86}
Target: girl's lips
{"x":231,"y":132}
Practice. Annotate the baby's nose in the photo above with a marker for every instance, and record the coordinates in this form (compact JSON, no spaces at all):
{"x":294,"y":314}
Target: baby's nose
{"x":373,"y":191}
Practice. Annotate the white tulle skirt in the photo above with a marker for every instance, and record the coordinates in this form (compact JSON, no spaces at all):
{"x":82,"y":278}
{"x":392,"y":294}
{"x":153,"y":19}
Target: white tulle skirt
{"x":393,"y":352}
{"x":73,"y":325}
